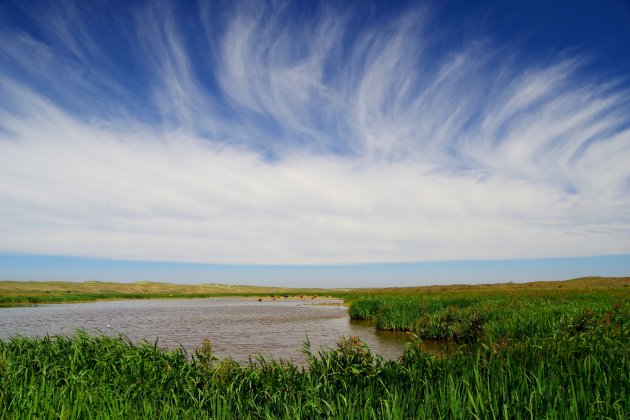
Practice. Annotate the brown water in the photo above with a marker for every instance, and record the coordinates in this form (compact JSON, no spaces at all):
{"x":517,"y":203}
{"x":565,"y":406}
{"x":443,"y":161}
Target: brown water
{"x":237,"y":327}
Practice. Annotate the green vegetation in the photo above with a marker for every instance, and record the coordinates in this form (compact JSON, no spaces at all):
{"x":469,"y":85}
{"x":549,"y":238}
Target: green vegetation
{"x":17,"y":292}
{"x":575,"y":376}
{"x":523,"y":353}
{"x":470,"y":317}
{"x":25,"y":292}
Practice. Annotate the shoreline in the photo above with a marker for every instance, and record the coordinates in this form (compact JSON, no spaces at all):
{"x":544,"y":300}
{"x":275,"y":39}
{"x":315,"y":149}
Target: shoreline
{"x":34,"y":301}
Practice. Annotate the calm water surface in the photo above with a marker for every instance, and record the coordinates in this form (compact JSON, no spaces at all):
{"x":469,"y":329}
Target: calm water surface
{"x":237,"y":327}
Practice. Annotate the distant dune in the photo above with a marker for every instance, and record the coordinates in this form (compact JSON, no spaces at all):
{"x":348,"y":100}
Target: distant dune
{"x":581,"y":283}
{"x":10,"y":289}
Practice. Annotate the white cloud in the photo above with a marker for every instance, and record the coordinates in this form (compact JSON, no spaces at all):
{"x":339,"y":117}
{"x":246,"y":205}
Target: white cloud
{"x":455,"y":158}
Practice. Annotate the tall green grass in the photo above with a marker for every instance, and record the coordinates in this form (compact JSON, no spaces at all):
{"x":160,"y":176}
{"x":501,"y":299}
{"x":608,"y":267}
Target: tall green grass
{"x":471,"y":317}
{"x":582,"y":375}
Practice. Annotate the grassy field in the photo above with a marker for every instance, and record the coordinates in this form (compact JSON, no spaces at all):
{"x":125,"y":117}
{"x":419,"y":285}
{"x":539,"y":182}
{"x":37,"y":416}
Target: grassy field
{"x":58,"y":291}
{"x":522,"y":351}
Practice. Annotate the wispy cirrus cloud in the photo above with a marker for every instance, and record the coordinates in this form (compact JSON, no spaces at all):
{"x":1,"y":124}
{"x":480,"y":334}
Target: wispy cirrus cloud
{"x":278,"y":137}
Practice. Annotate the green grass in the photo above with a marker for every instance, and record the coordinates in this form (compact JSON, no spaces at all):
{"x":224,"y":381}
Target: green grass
{"x":581,"y":375}
{"x":468,"y":317}
{"x":17,"y":292}
{"x":531,"y":354}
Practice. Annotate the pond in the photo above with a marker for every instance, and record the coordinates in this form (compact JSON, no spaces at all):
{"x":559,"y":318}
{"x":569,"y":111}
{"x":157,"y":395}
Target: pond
{"x":236,"y":327}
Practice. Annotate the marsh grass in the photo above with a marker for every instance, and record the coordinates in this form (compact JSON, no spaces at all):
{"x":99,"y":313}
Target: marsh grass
{"x":583,"y":374}
{"x":472,"y":317}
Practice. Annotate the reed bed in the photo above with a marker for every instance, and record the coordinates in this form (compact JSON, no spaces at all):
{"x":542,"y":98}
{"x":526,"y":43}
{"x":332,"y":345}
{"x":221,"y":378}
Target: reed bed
{"x":470,"y":317}
{"x":575,"y":364}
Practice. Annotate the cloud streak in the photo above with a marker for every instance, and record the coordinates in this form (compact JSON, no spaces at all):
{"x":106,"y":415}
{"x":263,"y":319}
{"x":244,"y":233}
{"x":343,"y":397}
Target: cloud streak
{"x":269,"y":140}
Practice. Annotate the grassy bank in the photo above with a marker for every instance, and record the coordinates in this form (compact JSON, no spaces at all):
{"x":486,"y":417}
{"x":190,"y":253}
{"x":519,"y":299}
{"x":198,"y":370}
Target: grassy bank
{"x":17,"y":292}
{"x":470,"y":317}
{"x":544,"y":353}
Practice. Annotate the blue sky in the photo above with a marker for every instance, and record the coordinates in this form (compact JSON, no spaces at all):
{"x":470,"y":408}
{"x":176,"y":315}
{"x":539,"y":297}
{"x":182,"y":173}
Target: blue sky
{"x":314,"y":142}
